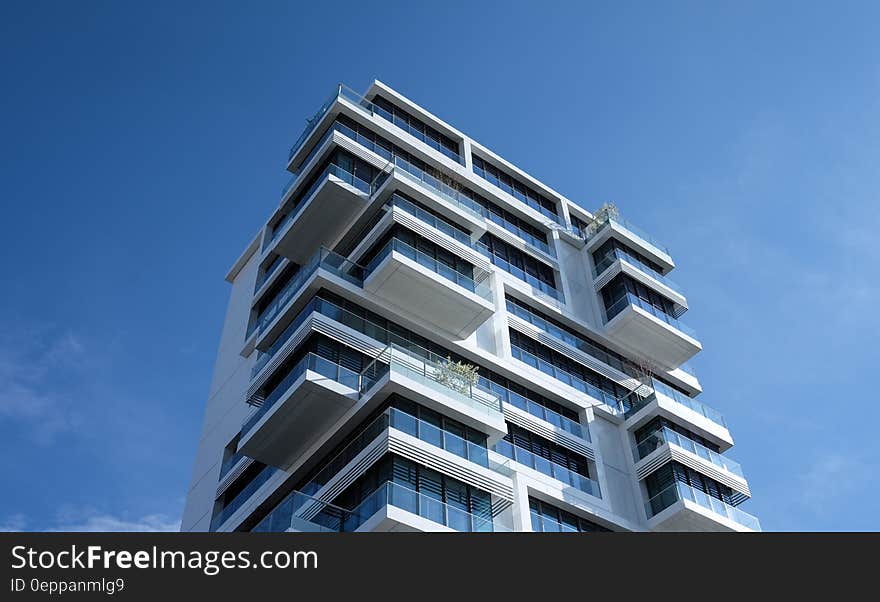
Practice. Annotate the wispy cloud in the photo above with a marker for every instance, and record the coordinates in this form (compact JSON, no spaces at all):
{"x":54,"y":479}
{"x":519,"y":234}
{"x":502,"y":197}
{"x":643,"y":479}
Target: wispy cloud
{"x":97,"y":523}
{"x":39,"y":372}
{"x":833,"y":477}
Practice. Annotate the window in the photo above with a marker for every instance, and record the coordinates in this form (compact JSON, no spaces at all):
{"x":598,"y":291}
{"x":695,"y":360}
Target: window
{"x":663,"y":478}
{"x":622,"y":285}
{"x":561,"y":367}
{"x":610,"y":245}
{"x":417,"y":128}
{"x":547,"y":518}
{"x":515,"y":187}
{"x":523,"y":266}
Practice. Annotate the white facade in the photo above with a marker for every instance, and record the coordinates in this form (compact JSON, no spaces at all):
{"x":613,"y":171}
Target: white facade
{"x":402,"y":249}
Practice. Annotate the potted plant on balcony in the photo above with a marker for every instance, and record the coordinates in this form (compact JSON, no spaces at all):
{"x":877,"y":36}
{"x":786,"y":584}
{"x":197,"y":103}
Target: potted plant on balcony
{"x":458,"y":376}
{"x":606,"y":212}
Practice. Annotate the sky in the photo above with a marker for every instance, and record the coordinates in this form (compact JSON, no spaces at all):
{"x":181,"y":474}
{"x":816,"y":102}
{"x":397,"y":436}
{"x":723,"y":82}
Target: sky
{"x":143,"y":145}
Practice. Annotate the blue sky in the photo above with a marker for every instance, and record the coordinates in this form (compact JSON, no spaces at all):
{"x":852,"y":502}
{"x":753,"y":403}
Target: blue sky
{"x":144,"y":144}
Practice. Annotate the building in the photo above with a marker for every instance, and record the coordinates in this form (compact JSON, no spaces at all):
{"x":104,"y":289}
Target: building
{"x":404,"y":256}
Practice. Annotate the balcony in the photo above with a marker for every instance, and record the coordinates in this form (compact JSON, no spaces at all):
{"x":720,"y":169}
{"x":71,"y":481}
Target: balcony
{"x":391,"y":507}
{"x":648,"y":331}
{"x":343,"y":95}
{"x":678,"y":407}
{"x":611,"y":403}
{"x":323,"y":213}
{"x":631,"y":234}
{"x":307,"y":402}
{"x":564,"y":475}
{"x":243,"y":496}
{"x":268,"y":325}
{"x":665,"y":445}
{"x":427,"y":379}
{"x":619,"y":261}
{"x":425,"y":287}
{"x":681,"y":507}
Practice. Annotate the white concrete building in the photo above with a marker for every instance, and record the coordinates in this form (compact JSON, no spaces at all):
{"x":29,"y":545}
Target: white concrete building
{"x":402,"y":256}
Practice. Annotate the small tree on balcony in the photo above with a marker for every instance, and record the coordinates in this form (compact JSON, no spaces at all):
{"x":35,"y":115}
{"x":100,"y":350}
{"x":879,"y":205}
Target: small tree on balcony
{"x":458,"y":376}
{"x":607,"y":211}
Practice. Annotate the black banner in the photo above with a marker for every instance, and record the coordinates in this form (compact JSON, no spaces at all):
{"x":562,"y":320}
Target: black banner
{"x":380,"y":566}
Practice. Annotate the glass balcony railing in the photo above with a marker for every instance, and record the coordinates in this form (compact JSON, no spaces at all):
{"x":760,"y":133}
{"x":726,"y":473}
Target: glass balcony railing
{"x":634,"y":300}
{"x":518,"y":194}
{"x":577,"y":342}
{"x":569,"y":379}
{"x":548,"y":467}
{"x":632,"y":228}
{"x":664,"y":390}
{"x":666,"y":435}
{"x":331,"y":170}
{"x":462,"y":201}
{"x":682,"y":491}
{"x":244,"y":495}
{"x":539,"y":287}
{"x":619,"y":254}
{"x":302,"y":512}
{"x":436,"y":186}
{"x":408,"y":424}
{"x":431,"y":219}
{"x":311,"y":122}
{"x":433,"y":371}
{"x":449,"y":273}
{"x":324,"y":259}
{"x":426,"y":506}
{"x":538,"y":411}
{"x":438,"y":437}
{"x":312,"y":362}
{"x":371,"y":109}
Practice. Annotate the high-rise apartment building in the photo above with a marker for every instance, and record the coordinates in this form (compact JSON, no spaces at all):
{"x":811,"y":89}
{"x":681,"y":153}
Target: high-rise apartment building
{"x":423,"y":337}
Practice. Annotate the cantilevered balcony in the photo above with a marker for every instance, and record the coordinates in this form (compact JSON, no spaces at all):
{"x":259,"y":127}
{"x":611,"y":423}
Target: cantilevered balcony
{"x":313,"y":395}
{"x":428,"y":288}
{"x":648,"y":331}
{"x":678,"y":407}
{"x":344,"y":98}
{"x":323,"y":213}
{"x":391,"y":507}
{"x":618,"y":261}
{"x":431,"y":380}
{"x":269,"y":324}
{"x":633,"y":236}
{"x":681,"y":507}
{"x":665,"y":445}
